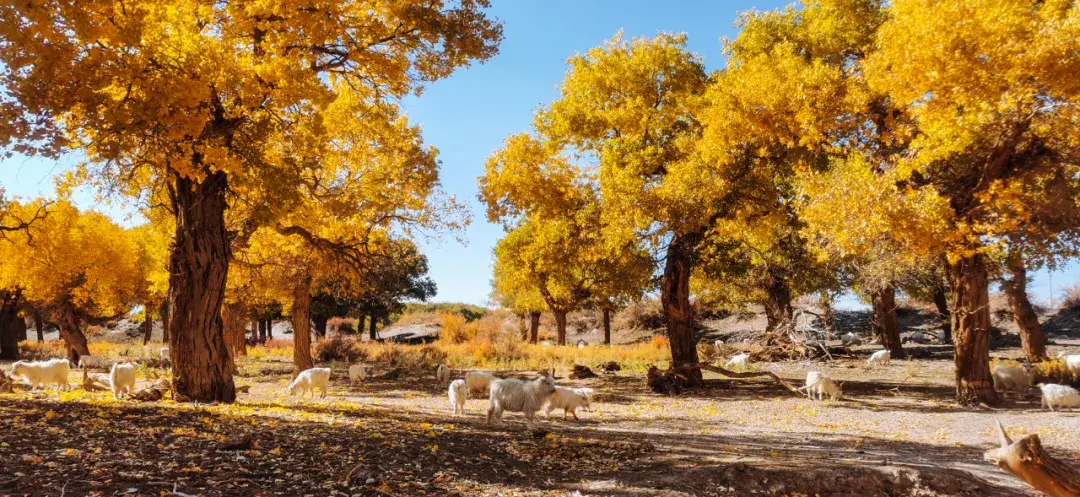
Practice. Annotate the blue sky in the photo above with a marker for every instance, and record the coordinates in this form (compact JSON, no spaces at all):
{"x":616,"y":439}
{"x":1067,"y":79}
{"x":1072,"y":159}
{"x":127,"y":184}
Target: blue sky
{"x":469,"y":114}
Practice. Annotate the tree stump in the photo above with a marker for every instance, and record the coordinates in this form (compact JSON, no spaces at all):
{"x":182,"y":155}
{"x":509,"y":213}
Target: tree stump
{"x":1027,"y":461}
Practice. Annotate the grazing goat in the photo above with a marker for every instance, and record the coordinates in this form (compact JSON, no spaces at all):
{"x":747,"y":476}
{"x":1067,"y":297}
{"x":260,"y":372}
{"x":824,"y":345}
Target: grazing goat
{"x":738,"y":361}
{"x":879,"y":357}
{"x":357,"y":372}
{"x":1059,"y":396}
{"x":91,"y":361}
{"x":442,"y":375}
{"x":1072,"y":362}
{"x":1014,"y":378}
{"x":817,"y":384}
{"x":122,"y":379}
{"x":309,"y":380}
{"x":458,"y":394}
{"x":515,"y":395}
{"x":569,"y":400}
{"x":479,"y":382}
{"x":850,"y":340}
{"x":43,"y":373}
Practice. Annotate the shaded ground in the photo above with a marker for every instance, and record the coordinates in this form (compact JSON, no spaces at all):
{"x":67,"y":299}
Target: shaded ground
{"x":895,"y":433}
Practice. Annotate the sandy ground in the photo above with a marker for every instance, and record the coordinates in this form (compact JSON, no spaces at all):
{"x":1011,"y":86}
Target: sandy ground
{"x":896,"y":432}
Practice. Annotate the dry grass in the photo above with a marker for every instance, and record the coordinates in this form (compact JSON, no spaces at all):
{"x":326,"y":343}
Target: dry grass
{"x":111,"y":351}
{"x":1070,"y":297}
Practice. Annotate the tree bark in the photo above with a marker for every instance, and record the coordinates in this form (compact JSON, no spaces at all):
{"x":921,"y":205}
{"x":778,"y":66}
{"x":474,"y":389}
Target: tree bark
{"x":165,"y":322}
{"x":360,"y":325}
{"x":20,"y":328}
{"x":560,"y":326}
{"x":607,"y":326}
{"x":320,"y":326}
{"x":270,"y":329}
{"x":372,"y":330}
{"x":971,"y":330}
{"x":254,"y":332}
{"x":885,"y":321}
{"x":778,"y":310}
{"x":9,"y":313}
{"x":262,"y":330}
{"x":1015,"y":286}
{"x":199,"y":265}
{"x":522,"y":327}
{"x":234,"y":324}
{"x":147,"y":325}
{"x":534,"y":327}
{"x":675,"y":298}
{"x":39,"y":326}
{"x":301,"y":323}
{"x":70,"y":331}
{"x":941,"y":301}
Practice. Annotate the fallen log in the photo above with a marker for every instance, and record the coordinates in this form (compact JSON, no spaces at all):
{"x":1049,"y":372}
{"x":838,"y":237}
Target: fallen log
{"x":92,"y":384}
{"x":674,"y":381}
{"x":1026,"y":460}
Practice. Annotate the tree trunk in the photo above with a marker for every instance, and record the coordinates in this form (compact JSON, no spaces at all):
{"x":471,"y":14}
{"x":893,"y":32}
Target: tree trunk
{"x":1015,"y":286}
{"x":971,"y":330}
{"x":262,"y":330}
{"x":942,"y":303}
{"x":74,"y":339}
{"x":20,"y":328}
{"x":884,"y":319}
{"x":560,"y":326}
{"x":39,"y":326}
{"x":607,"y":326}
{"x":1027,"y":460}
{"x":301,"y":323}
{"x":522,"y":327}
{"x":270,"y":329}
{"x":201,"y":364}
{"x":165,"y":322}
{"x":374,"y":334}
{"x":360,"y":325}
{"x":320,"y":326}
{"x":233,"y":324}
{"x":9,"y":313}
{"x":778,"y":310}
{"x":828,"y":317}
{"x":675,"y":298}
{"x":147,"y":325}
{"x":534,"y":327}
{"x":254,"y":331}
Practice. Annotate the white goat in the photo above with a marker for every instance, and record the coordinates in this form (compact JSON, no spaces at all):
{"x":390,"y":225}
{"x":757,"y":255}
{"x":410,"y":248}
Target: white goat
{"x":1015,"y":378}
{"x":850,"y":340}
{"x":164,"y":353}
{"x":738,"y":361}
{"x":1059,"y":396}
{"x":569,"y":400}
{"x":718,"y":343}
{"x":357,"y":372}
{"x":515,"y":395}
{"x":122,"y":379}
{"x":91,"y":361}
{"x":458,"y":394}
{"x":43,"y":373}
{"x":442,"y":374}
{"x":479,"y":382}
{"x":819,"y":385}
{"x":1072,"y":362}
{"x":879,"y":357}
{"x":309,"y":380}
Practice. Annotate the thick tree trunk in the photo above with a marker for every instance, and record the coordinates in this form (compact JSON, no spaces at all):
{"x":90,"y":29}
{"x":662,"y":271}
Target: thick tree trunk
{"x":675,"y":298}
{"x":560,"y":326}
{"x":522,"y":327}
{"x":20,"y":328}
{"x":270,"y":329}
{"x":70,"y":332}
{"x":1015,"y":286}
{"x":9,"y":313}
{"x":1027,"y":460}
{"x":372,"y":329}
{"x":262,"y":330}
{"x":941,"y":301}
{"x":607,"y":326}
{"x":301,"y":323}
{"x":828,"y":317}
{"x":202,"y":366}
{"x":971,"y":330}
{"x":778,"y":310}
{"x":885,"y":321}
{"x":147,"y":328}
{"x":39,"y":326}
{"x":534,"y":327}
{"x":320,"y":326}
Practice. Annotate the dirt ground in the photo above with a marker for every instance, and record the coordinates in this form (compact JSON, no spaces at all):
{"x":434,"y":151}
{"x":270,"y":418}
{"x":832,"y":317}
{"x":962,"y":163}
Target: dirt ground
{"x":896,"y":432}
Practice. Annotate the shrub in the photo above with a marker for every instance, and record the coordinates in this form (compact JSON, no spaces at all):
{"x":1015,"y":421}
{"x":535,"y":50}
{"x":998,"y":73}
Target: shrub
{"x":644,"y":314}
{"x":1055,"y":371}
{"x":335,"y":348}
{"x":344,"y":326}
{"x":1070,"y":297}
{"x":421,"y":317}
{"x":468,"y":311}
{"x":453,"y":328}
